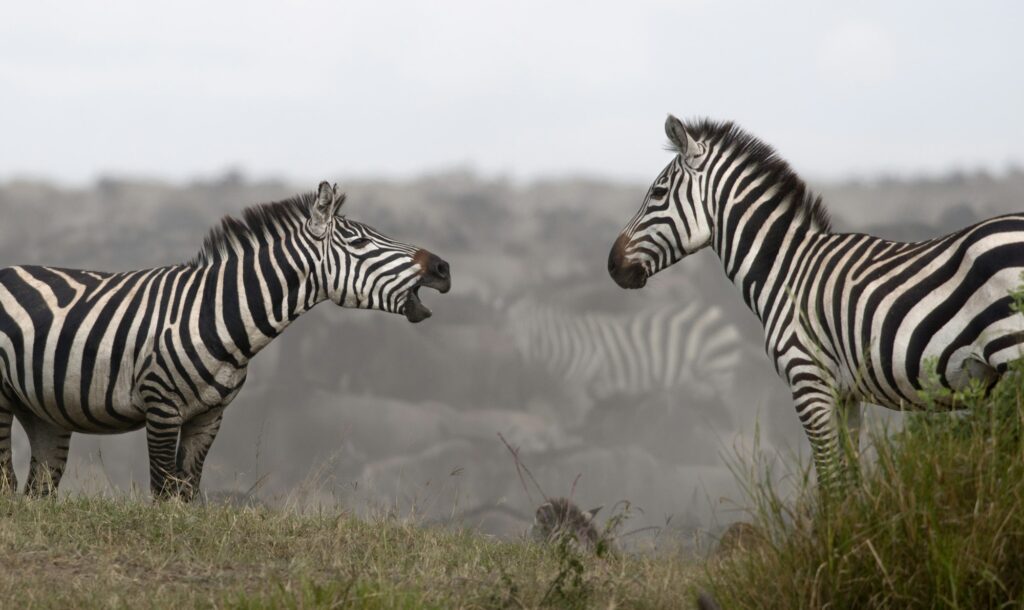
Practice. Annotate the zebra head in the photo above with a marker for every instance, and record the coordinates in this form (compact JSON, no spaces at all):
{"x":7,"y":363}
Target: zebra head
{"x":365,"y":269}
{"x":674,"y":219}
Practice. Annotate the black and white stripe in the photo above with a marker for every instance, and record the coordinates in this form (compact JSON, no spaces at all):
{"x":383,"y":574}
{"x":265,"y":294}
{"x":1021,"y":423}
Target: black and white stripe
{"x":691,"y":347}
{"x":167,"y":349}
{"x":847,"y":317}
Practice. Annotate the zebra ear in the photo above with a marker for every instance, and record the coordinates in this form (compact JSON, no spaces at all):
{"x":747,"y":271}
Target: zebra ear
{"x":590,"y":514}
{"x":681,"y":139}
{"x":328,"y":201}
{"x":339,"y":200}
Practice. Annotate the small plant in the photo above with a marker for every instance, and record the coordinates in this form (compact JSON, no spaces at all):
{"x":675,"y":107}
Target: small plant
{"x":507,"y":596}
{"x":569,"y":588}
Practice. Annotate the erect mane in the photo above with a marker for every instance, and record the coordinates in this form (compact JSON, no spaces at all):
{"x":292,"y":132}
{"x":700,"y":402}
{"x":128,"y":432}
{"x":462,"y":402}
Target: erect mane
{"x":254,"y":220}
{"x":728,"y":135}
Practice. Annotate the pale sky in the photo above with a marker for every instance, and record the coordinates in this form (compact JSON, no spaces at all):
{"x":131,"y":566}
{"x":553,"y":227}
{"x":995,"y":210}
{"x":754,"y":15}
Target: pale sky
{"x":526,"y":89}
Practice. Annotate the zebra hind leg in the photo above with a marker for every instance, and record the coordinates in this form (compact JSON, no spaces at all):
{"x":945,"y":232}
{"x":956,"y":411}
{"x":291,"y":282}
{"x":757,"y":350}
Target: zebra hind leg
{"x":50,"y":446}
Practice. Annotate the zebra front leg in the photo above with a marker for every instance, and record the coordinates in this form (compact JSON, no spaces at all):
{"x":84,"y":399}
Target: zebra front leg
{"x":850,"y":411}
{"x":163,"y":425}
{"x":197,"y":435}
{"x":817,"y":413}
{"x":50,"y":446}
{"x":8,"y":480}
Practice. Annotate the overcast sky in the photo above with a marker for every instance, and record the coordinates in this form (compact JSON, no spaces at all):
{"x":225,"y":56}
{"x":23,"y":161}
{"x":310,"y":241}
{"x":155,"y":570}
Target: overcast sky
{"x":527,"y":89}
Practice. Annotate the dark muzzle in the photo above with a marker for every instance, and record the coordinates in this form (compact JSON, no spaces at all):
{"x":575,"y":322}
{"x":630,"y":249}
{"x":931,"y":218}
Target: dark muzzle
{"x":435,"y":274}
{"x":626,"y":274}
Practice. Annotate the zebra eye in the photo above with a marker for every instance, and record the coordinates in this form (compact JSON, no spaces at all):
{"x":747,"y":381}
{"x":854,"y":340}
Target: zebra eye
{"x":658,"y":192}
{"x":359,"y":242}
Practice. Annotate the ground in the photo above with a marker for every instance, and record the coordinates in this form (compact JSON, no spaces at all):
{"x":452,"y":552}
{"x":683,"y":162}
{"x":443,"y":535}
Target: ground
{"x":100,"y":552}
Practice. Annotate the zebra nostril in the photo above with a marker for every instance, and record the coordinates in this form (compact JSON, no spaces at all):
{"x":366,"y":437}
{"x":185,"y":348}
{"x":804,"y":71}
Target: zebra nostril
{"x":441,"y":269}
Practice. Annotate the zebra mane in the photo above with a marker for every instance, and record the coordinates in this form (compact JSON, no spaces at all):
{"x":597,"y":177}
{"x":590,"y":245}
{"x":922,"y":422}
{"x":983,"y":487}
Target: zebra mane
{"x":255,"y":219}
{"x":730,"y":136}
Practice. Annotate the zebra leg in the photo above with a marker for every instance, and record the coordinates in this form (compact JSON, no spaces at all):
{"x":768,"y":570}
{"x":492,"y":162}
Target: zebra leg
{"x":50,"y":446}
{"x":197,"y":436}
{"x":163,"y":424}
{"x":8,"y":480}
{"x":817,"y":413}
{"x":850,"y":411}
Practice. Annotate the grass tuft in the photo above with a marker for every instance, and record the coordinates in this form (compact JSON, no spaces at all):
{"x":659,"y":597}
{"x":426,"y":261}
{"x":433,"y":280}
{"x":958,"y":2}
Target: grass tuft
{"x":935,"y":519}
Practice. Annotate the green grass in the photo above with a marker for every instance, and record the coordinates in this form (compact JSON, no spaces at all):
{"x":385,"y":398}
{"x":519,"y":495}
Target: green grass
{"x":935,"y":520}
{"x":93,"y":552}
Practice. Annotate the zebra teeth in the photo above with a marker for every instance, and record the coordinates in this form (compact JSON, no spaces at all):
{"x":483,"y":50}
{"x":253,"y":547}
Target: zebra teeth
{"x":414,"y":310}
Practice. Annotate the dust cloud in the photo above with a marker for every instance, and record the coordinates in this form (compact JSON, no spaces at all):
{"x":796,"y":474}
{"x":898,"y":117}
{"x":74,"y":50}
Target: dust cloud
{"x":363,"y":410}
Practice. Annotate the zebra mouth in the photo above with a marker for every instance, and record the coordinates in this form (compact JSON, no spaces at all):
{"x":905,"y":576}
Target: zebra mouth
{"x":414,"y":309}
{"x":630,"y":276}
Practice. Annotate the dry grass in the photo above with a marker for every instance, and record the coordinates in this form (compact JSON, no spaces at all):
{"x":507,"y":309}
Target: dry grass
{"x":935,"y":520}
{"x":91,"y":552}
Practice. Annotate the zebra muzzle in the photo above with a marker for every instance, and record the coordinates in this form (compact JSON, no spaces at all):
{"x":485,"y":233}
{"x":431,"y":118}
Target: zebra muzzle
{"x":435,"y":274}
{"x":415,"y":310}
{"x":626,"y":273}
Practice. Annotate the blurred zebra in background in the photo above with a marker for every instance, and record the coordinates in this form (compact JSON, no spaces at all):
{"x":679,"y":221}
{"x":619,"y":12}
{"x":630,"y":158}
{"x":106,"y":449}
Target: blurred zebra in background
{"x":168,"y":348}
{"x":677,"y":352}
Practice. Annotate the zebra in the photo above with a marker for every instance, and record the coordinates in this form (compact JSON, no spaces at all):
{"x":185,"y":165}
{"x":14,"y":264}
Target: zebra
{"x":847,"y":317}
{"x":655,"y":350}
{"x":167,"y":349}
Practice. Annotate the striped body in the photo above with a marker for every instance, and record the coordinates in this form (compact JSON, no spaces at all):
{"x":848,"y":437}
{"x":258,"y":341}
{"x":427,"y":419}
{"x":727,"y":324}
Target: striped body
{"x":885,"y":318}
{"x":848,"y":318}
{"x":84,"y":351}
{"x":668,"y":348}
{"x":168,"y":348}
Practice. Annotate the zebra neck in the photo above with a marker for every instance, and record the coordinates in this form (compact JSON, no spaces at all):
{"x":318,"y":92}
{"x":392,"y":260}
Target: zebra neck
{"x":767,"y":235}
{"x":258,"y":294}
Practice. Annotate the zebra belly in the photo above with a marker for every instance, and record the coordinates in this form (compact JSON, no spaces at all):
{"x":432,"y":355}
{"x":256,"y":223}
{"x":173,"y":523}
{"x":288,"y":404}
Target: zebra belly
{"x":972,"y":348}
{"x":909,"y":327}
{"x":72,"y":413}
{"x":81,"y":398}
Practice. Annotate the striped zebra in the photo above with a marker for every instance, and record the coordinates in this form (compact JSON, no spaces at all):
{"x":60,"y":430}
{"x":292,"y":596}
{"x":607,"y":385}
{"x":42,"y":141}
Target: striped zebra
{"x":168,"y":348}
{"x":848,"y":318}
{"x":691,"y":347}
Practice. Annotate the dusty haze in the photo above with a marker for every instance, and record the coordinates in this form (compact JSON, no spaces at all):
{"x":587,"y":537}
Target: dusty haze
{"x":365,"y":410}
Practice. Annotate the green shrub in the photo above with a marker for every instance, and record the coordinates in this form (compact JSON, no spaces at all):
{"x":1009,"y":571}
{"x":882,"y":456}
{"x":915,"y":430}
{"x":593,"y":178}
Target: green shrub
{"x":935,"y":519}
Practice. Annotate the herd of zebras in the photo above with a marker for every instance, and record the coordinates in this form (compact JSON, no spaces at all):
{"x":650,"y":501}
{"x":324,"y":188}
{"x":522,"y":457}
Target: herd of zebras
{"x":848,"y":318}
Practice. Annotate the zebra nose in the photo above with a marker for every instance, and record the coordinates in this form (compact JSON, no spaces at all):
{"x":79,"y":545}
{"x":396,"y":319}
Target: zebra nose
{"x":440,"y":268}
{"x":436,"y":272}
{"x":627,"y":274}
